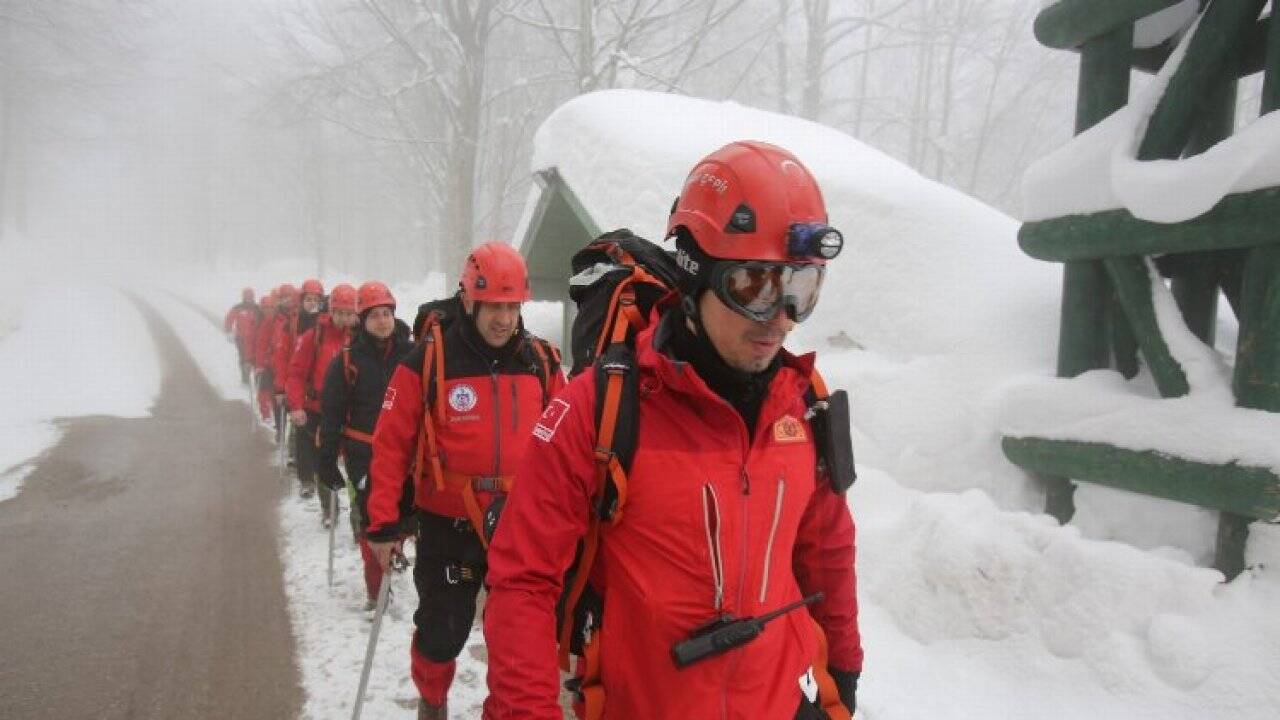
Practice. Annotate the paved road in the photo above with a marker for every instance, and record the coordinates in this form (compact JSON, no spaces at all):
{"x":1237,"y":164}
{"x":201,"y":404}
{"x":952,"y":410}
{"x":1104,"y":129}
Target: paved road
{"x":139,"y":569}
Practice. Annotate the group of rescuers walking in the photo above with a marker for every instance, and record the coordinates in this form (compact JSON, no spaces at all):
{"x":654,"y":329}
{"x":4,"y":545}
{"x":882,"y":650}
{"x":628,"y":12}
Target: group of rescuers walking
{"x":727,"y":512}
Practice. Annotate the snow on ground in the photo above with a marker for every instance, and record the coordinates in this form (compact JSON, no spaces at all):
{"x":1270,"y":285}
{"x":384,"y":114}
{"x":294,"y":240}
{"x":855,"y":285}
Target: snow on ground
{"x":213,"y":352}
{"x":70,"y":349}
{"x":332,"y":628}
{"x":973,"y":612}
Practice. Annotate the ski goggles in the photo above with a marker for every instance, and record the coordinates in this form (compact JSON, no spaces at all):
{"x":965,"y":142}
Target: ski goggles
{"x":760,"y":290}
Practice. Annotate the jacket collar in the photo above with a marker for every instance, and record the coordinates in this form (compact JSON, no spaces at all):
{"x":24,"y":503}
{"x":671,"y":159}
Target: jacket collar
{"x":681,"y":377}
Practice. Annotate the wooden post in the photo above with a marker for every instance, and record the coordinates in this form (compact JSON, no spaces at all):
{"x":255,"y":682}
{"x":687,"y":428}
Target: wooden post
{"x":1082,"y":340}
{"x":1257,"y":372}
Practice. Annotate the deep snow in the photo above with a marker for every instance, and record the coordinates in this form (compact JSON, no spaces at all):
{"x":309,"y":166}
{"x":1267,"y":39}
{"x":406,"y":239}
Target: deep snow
{"x":68,"y":348}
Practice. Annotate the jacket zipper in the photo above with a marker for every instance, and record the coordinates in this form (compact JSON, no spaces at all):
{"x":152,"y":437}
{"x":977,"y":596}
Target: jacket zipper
{"x":515,"y":409}
{"x":745,"y":477}
{"x":773,"y":530}
{"x":711,"y":518}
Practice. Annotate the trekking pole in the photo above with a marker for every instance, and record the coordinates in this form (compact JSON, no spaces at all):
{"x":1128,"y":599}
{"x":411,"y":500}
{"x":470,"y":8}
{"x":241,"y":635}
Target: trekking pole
{"x":334,"y":500}
{"x":398,"y":563}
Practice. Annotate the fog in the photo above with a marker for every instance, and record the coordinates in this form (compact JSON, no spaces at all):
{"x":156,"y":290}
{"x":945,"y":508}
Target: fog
{"x":380,"y":137}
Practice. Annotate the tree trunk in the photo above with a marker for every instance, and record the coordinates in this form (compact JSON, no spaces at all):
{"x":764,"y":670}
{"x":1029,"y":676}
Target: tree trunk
{"x":817,"y":13}
{"x":780,"y":43}
{"x":863,"y":73}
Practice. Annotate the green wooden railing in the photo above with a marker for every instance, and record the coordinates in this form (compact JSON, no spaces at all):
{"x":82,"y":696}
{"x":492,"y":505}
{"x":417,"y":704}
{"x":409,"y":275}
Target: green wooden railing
{"x":1234,"y":248}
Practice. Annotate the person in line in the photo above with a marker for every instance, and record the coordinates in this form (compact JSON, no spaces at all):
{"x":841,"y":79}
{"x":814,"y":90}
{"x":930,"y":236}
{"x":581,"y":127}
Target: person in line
{"x":728,"y":513}
{"x":484,"y":381}
{"x":354,"y":385}
{"x":240,"y":324}
{"x":312,"y":353}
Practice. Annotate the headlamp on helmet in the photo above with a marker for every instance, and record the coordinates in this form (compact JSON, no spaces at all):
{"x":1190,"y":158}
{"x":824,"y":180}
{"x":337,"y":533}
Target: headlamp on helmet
{"x":814,"y":240}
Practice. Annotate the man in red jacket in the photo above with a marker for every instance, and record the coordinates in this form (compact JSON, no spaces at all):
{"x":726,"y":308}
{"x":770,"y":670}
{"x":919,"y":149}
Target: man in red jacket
{"x":307,"y":366}
{"x":726,"y":512}
{"x":487,"y":382}
{"x":240,"y":324}
{"x":301,"y":311}
{"x":284,"y":331}
{"x":354,"y":386}
{"x":261,"y":356}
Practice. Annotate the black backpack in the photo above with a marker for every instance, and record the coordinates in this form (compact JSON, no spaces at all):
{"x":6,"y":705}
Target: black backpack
{"x":445,"y":311}
{"x":617,"y":271}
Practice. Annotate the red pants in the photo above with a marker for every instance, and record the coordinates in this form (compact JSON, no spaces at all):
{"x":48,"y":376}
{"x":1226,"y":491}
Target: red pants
{"x":431,"y":678}
{"x":372,"y":570}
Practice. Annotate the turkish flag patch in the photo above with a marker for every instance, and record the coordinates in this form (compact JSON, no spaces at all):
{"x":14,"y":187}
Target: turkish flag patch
{"x":789,"y":430}
{"x":389,"y":399}
{"x":550,"y":421}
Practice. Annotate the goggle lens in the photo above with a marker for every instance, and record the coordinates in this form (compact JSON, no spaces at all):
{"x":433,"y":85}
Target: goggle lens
{"x":760,"y":290}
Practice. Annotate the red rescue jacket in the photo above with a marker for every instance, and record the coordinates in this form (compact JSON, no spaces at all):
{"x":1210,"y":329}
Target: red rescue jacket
{"x":262,"y":337}
{"x":309,"y":361}
{"x":715,"y":522}
{"x":283,"y":338}
{"x":490,"y":407}
{"x":242,"y":319}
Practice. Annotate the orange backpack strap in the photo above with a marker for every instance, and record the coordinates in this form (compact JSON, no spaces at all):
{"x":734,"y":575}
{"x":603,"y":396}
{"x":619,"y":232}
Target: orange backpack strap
{"x":818,"y":385}
{"x":611,"y":480}
{"x":828,"y":693}
{"x":428,"y":456}
{"x":467,"y":486}
{"x":544,"y":351}
{"x":349,"y":371}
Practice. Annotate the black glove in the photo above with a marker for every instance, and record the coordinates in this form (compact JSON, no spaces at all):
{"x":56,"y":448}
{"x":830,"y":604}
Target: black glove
{"x":330,"y":476}
{"x":847,"y":686}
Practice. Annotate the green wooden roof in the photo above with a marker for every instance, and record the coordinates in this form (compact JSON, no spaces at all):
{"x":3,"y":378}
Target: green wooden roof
{"x":560,"y":226}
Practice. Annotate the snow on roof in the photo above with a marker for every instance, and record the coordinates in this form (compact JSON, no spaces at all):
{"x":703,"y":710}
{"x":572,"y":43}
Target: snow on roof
{"x":1098,"y":169}
{"x":926,"y":269}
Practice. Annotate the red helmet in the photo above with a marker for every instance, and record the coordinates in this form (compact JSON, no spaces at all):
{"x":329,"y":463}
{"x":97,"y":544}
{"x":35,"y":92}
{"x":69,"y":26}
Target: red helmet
{"x":744,"y":201}
{"x":287,"y":293}
{"x":343,"y":297}
{"x":371,"y":295}
{"x":495,"y":272}
{"x":312,"y":286}
{"x":246,"y":295}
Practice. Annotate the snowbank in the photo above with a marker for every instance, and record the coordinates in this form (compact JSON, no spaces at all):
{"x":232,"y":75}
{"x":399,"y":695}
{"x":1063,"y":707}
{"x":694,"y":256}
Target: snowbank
{"x":1098,"y":169}
{"x":924,"y":265}
{"x":72,"y":349}
{"x":971,"y":612}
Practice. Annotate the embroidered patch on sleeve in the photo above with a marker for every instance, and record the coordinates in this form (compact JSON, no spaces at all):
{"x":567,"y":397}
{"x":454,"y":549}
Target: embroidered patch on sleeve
{"x":789,"y":430}
{"x":550,"y":421}
{"x":389,"y":399}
